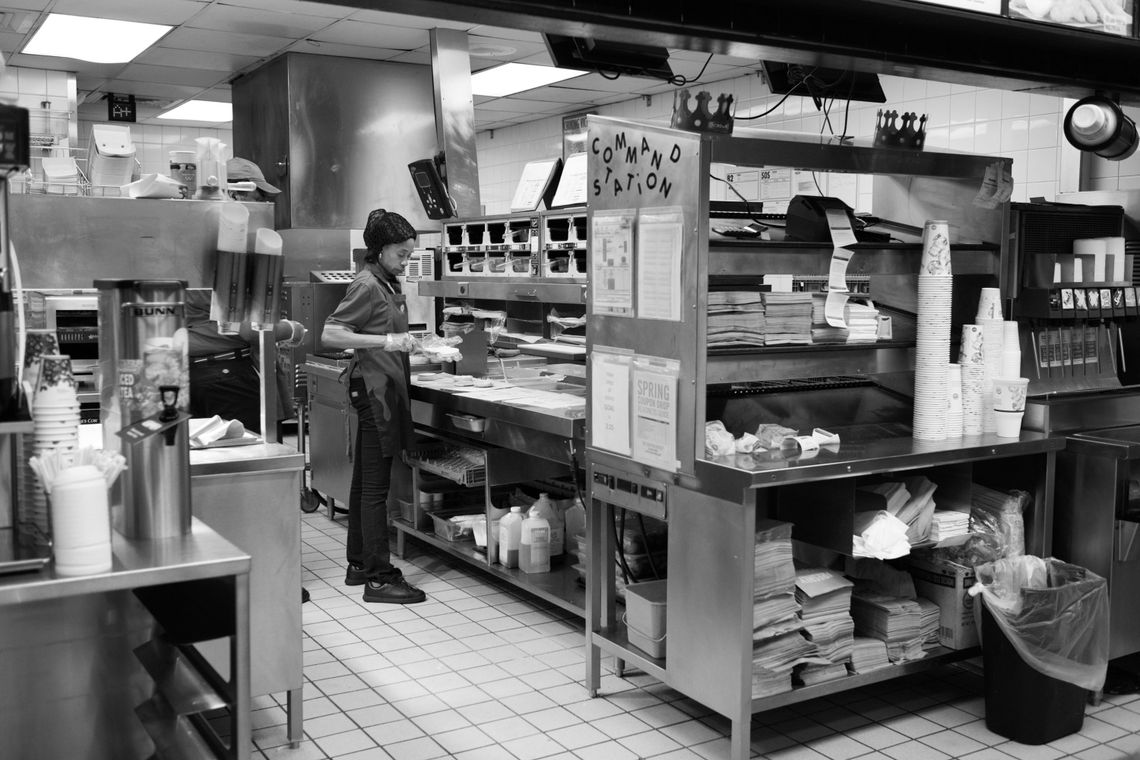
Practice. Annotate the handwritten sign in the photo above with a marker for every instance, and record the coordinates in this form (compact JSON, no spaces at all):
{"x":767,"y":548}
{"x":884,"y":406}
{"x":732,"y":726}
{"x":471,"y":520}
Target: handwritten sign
{"x":645,"y":166}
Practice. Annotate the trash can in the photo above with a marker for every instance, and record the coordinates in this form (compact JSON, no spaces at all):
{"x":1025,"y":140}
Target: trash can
{"x":1044,"y":631}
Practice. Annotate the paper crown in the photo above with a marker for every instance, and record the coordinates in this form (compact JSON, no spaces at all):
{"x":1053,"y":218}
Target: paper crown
{"x":889,"y":134}
{"x":699,"y":119}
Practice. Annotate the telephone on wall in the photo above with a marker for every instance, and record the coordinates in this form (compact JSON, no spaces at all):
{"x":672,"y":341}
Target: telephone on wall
{"x":432,"y":189}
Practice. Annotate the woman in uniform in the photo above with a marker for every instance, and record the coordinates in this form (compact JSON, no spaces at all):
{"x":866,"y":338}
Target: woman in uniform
{"x":372,"y":319}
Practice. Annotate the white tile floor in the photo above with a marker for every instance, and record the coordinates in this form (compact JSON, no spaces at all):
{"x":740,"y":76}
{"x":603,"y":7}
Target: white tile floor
{"x":479,"y":672}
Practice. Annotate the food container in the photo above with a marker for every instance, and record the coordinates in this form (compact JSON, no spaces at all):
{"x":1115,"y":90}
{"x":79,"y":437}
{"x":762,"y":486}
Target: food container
{"x":468,"y":422}
{"x":645,"y":616}
{"x":454,"y":527}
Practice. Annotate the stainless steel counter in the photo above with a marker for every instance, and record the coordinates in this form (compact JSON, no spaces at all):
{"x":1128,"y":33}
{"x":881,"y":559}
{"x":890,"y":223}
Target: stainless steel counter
{"x":202,"y":553}
{"x":251,"y":495}
{"x":71,"y":684}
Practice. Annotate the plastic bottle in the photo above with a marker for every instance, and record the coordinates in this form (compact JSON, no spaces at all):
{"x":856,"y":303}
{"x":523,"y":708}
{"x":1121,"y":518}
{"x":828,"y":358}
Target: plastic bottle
{"x":510,"y":534}
{"x":534,"y":544}
{"x":545,"y":509}
{"x":575,"y":517}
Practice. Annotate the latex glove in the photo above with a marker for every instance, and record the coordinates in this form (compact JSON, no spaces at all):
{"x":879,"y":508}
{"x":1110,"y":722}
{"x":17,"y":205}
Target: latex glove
{"x":399,"y":342}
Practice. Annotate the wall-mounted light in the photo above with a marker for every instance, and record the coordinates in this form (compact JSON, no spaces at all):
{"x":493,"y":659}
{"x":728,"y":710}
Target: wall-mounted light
{"x":1098,"y":125}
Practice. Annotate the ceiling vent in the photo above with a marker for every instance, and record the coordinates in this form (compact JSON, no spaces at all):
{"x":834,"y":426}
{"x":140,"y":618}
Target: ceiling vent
{"x":16,"y":21}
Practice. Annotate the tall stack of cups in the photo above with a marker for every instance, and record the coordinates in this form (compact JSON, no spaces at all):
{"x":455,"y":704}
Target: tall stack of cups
{"x":932,"y":345}
{"x":231,"y":286}
{"x":954,"y":401}
{"x":989,"y":318}
{"x":55,"y":415}
{"x":1010,"y":350}
{"x":971,"y":361}
{"x":31,"y":514}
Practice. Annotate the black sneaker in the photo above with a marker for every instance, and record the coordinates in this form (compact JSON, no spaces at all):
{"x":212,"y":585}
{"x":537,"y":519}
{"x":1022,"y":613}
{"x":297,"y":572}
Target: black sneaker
{"x":355,"y":575}
{"x":392,"y":592}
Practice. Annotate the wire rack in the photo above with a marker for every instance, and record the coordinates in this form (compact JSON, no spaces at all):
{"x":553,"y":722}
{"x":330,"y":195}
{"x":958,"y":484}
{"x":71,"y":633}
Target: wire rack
{"x":464,"y":465}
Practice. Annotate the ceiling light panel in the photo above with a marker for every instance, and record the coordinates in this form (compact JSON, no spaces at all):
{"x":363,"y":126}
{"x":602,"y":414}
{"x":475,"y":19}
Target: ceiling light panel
{"x":510,"y":78}
{"x":200,"y":110}
{"x":96,"y":40}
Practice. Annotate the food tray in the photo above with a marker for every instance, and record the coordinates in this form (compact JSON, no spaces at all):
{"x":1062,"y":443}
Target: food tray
{"x":464,"y":465}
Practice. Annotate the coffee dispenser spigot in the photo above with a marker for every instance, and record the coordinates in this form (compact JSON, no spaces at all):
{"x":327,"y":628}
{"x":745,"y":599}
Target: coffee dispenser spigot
{"x":169,"y":413}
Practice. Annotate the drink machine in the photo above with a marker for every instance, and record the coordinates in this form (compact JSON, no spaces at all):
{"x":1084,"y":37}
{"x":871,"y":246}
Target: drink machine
{"x":145,"y":392}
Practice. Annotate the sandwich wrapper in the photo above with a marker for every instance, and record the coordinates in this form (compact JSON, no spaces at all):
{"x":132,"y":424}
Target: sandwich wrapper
{"x":153,"y":186}
{"x":880,"y":535}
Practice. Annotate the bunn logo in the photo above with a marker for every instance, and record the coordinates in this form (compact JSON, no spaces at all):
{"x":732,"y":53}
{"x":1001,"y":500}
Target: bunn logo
{"x":154,"y":311}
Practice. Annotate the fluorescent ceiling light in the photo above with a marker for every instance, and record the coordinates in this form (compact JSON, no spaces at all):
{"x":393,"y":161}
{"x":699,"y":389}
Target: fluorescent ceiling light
{"x":517,"y":77}
{"x":98,"y":40}
{"x":200,"y":110}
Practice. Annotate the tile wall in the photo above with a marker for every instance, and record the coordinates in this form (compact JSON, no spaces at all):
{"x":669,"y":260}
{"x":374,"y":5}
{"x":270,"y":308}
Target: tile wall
{"x":1024,"y":127}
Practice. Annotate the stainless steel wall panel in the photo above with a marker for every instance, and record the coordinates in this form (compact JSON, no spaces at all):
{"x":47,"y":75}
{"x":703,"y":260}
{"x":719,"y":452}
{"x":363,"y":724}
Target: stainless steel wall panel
{"x":68,"y":242}
{"x":455,"y":117}
{"x":352,"y":127}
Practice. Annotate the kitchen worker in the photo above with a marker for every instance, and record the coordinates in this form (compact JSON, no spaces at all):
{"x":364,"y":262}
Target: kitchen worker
{"x":244,"y":170}
{"x":372,"y":319}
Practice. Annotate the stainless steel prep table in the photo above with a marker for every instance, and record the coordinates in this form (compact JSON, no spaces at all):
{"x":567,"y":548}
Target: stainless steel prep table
{"x":712,"y":523}
{"x":251,"y":495}
{"x":520,"y":444}
{"x":71,"y":685}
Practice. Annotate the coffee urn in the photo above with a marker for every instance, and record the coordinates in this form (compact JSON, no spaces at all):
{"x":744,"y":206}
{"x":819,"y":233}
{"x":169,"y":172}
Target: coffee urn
{"x":144,"y":366}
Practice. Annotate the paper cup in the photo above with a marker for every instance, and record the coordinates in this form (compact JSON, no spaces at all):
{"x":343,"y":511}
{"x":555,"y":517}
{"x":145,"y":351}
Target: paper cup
{"x":970,"y":350}
{"x":55,"y":373}
{"x":1009,"y":394}
{"x":1008,"y":424}
{"x":989,"y":304}
{"x":935,"y":248}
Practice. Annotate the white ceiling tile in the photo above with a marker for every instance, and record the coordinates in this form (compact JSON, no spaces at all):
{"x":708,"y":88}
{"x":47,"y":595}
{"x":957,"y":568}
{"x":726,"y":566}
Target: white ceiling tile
{"x":519,"y":35}
{"x":170,"y":75}
{"x":10,"y":42}
{"x":556,"y":94}
{"x":314,"y":47}
{"x":151,"y":12}
{"x":421,"y":57}
{"x":222,"y":42}
{"x":411,"y":22}
{"x":325,"y":10}
{"x":193,"y":59}
{"x":351,"y":32}
{"x":25,"y":5}
{"x":521,"y":48}
{"x":53,"y":63}
{"x":149,"y":89}
{"x":229,"y":18}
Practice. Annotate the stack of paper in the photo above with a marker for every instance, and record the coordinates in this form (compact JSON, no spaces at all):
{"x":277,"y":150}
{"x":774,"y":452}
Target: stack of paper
{"x":948,"y":523}
{"x":887,"y":496}
{"x":868,"y":654}
{"x":787,"y":318}
{"x":824,"y":597}
{"x":813,"y":674}
{"x":736,"y":316}
{"x":862,"y":323}
{"x":918,"y":512}
{"x":777,"y":645}
{"x":821,"y":331}
{"x":931,"y":615}
{"x":896,"y":621}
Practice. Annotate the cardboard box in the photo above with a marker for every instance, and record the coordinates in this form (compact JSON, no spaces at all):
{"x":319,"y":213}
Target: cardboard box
{"x":946,"y":583}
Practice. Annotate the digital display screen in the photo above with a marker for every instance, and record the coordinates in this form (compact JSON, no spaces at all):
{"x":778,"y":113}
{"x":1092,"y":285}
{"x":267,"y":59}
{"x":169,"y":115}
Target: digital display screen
{"x":423,"y":180}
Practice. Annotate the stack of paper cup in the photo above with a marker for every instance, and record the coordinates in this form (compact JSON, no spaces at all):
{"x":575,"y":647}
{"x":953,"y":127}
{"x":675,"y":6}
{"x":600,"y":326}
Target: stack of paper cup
{"x":954,"y":400}
{"x":55,"y":424}
{"x":33,"y":524}
{"x":1010,"y":350}
{"x":989,"y":317}
{"x":972,"y":368}
{"x":81,"y":522}
{"x":932,"y":340}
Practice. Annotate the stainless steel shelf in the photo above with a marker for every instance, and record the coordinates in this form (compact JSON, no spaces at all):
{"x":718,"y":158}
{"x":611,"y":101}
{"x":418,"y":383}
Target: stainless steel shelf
{"x":184,"y":688}
{"x":174,"y":736}
{"x":559,"y":586}
{"x":516,"y":289}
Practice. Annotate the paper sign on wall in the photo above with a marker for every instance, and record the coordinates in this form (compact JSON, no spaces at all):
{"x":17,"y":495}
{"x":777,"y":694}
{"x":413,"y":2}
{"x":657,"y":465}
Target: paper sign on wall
{"x":660,"y":243}
{"x":655,"y":412}
{"x":611,"y":263}
{"x":609,"y":399}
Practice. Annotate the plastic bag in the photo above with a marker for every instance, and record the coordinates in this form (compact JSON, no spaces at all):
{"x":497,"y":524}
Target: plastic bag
{"x":1054,"y":614}
{"x":438,"y":349}
{"x":1002,"y":515}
